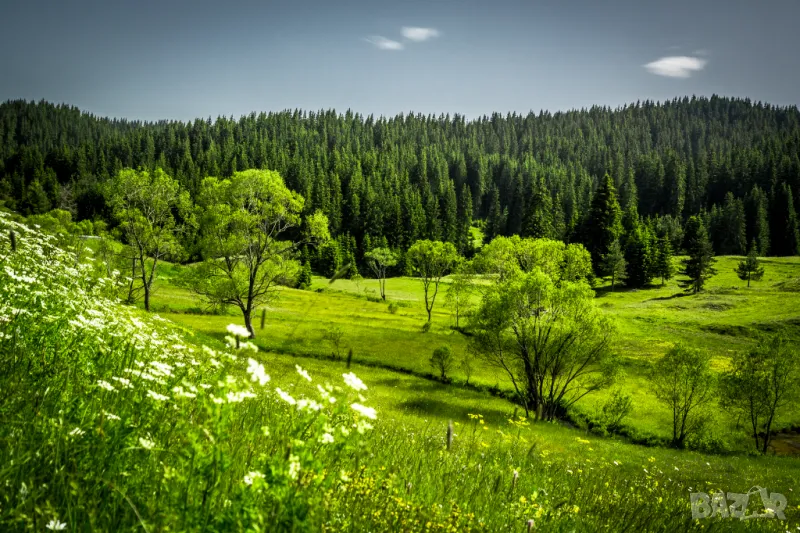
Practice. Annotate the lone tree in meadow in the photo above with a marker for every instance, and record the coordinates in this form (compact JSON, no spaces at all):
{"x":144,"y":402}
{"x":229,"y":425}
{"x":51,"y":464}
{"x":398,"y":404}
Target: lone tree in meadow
{"x":380,"y":260}
{"x":432,"y":260}
{"x":699,"y":266}
{"x":548,"y":337}
{"x":750,"y":267}
{"x":245,"y":240}
{"x":682,"y":380}
{"x":152,"y":210}
{"x":442,"y":360}
{"x":459,"y":293}
{"x":614,"y":264}
{"x":762,"y":382}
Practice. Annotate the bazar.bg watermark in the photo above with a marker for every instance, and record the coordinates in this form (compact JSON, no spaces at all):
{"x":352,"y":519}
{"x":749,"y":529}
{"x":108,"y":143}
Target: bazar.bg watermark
{"x":735,"y":504}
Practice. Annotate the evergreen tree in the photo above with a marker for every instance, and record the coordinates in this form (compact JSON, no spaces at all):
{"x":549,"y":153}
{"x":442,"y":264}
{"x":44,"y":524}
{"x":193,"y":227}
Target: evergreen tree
{"x":784,"y":229}
{"x":603,"y":224}
{"x":756,"y":208}
{"x":614,"y":264}
{"x":750,"y":267}
{"x":664,"y":266}
{"x":640,"y":254}
{"x":538,"y":221}
{"x":305,"y":277}
{"x":698,"y":267}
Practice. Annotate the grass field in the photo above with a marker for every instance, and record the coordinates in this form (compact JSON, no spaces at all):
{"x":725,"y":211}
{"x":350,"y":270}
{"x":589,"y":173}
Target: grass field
{"x":112,"y":419}
{"x":725,"y":318}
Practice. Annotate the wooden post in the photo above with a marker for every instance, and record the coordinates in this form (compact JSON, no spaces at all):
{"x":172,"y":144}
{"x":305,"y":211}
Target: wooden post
{"x":263,"y":317}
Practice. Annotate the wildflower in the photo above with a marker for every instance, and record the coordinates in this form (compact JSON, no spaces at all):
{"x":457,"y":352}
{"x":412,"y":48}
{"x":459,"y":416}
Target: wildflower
{"x":325,"y":394}
{"x":302,"y":372}
{"x":110,"y":416}
{"x":181,"y":393}
{"x":257,"y":372}
{"x":236,"y":397}
{"x":369,"y":412}
{"x":286,"y":397}
{"x":294,"y":466}
{"x":55,"y":525}
{"x":362,"y":426}
{"x":157,"y":396}
{"x":237,"y":331}
{"x":248,"y":346}
{"x":326,"y":438}
{"x":77,"y":432}
{"x":105,"y":385}
{"x":146,"y":443}
{"x":352,"y":381}
{"x":125,"y":382}
{"x":252,"y":476}
{"x":308,"y":405}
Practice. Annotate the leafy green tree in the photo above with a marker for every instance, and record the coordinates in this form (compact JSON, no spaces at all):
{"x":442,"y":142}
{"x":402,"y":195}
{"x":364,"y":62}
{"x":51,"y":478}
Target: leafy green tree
{"x":459,"y":293}
{"x":699,"y":266}
{"x":664,"y":266}
{"x":245,"y":240}
{"x":442,"y":360}
{"x":380,"y":260}
{"x":548,"y":337}
{"x":152,"y":211}
{"x":761,"y":383}
{"x":432,"y":260}
{"x":603,"y":224}
{"x":750,"y":269}
{"x":614,"y":264}
{"x":683,"y":381}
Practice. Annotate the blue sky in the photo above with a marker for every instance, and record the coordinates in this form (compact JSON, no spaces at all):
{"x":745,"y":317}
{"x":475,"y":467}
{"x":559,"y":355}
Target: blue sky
{"x":180,"y":59}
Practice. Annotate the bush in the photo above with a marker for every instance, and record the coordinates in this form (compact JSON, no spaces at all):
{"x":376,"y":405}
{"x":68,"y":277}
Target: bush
{"x":393,"y":308}
{"x":426,"y":327}
{"x":614,"y":410}
{"x":442,"y":360}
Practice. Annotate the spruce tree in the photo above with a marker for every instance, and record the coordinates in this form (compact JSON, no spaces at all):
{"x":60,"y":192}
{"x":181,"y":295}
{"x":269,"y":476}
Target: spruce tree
{"x":538,"y":221}
{"x":750,"y":267}
{"x":785,"y":236}
{"x":603,"y":223}
{"x":699,"y":266}
{"x":640,"y":254}
{"x":664,"y":266}
{"x":614,"y":264}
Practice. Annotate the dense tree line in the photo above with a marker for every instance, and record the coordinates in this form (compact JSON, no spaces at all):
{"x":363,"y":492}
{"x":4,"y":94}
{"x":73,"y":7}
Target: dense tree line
{"x":388,"y":182}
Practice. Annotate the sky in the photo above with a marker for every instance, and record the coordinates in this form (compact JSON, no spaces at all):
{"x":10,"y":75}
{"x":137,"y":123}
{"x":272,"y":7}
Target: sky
{"x":183,"y":59}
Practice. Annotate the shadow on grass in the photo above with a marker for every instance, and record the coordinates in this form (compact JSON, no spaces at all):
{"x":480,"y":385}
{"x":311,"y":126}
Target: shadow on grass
{"x":449,"y":410}
{"x":670,"y":297}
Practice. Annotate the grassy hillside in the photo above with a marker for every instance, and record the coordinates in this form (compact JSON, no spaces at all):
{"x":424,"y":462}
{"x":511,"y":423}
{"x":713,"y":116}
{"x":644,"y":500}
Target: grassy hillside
{"x":725,"y":318}
{"x":114,"y":420}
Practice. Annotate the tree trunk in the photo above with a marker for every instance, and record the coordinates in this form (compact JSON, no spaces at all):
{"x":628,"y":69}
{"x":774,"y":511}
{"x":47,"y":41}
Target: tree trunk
{"x":147,"y":297}
{"x":248,"y":322}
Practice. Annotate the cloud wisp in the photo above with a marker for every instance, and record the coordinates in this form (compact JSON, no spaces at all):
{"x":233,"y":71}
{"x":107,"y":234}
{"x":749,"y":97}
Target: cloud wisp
{"x":676,"y":66}
{"x":382,"y":43}
{"x":419,"y":34}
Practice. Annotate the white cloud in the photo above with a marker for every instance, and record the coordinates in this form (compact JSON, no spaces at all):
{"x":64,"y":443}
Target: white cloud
{"x":419,"y":34}
{"x":676,"y":66}
{"x":384,"y":44}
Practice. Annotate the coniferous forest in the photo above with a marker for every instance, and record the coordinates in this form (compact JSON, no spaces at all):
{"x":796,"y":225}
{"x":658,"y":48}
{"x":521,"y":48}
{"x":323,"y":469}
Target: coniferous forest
{"x":391,"y":181}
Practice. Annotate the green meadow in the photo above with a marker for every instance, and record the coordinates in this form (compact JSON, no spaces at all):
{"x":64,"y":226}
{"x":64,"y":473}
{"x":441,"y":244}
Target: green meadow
{"x":725,"y":318}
